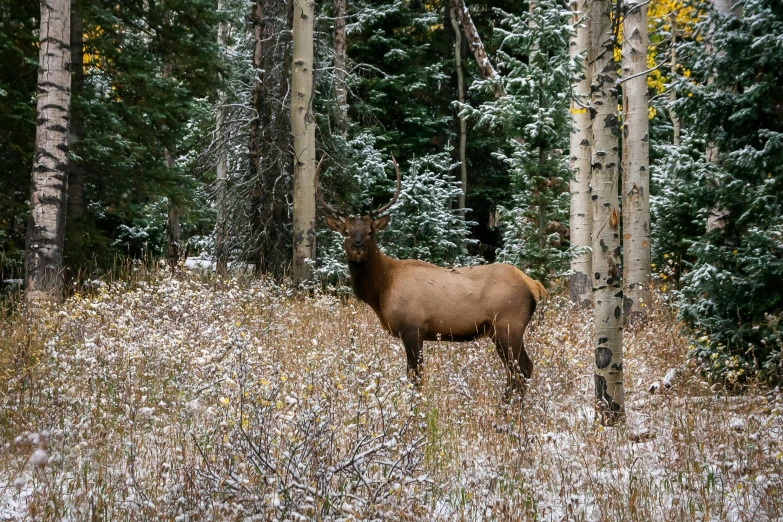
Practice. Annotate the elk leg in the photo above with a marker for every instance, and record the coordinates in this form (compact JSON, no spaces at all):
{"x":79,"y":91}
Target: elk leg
{"x":413,"y":343}
{"x":511,"y":349}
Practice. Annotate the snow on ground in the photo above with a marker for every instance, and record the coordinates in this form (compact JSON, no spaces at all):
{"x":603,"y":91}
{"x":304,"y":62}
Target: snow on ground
{"x":189,"y":399}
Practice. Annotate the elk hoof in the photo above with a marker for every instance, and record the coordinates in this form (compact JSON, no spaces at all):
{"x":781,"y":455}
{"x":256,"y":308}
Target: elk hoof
{"x":414,"y":379}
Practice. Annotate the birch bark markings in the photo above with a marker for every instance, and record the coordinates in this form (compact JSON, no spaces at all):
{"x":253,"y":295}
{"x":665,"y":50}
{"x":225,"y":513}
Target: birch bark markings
{"x":303,"y":130}
{"x":474,"y":41}
{"x":636,"y":162}
{"x":48,"y":192}
{"x":606,"y":256}
{"x":581,"y":218}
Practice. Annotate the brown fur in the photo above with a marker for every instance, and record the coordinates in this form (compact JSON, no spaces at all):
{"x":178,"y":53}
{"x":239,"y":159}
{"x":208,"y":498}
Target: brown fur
{"x":418,"y":301}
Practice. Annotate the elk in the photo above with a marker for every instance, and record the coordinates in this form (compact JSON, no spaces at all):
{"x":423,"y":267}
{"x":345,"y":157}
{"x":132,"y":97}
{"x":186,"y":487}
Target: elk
{"x":417,"y":301}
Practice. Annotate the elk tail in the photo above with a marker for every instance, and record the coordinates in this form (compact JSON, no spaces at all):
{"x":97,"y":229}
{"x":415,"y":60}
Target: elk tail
{"x":542,"y":293}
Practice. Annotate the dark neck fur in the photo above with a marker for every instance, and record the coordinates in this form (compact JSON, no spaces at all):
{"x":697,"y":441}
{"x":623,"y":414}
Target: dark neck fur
{"x":368,"y":278}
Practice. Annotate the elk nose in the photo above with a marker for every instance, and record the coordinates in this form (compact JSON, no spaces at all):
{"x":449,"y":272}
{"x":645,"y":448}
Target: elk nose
{"x":358,"y":244}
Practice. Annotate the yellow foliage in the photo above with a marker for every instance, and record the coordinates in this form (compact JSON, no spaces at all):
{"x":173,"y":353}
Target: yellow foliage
{"x":664,"y":18}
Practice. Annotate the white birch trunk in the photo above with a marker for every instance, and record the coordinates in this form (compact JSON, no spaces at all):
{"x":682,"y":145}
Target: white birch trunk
{"x":581,"y":138}
{"x":607,"y":286}
{"x":303,"y":130}
{"x":221,"y":228}
{"x":463,"y":128}
{"x":48,"y":192}
{"x":636,"y":162}
{"x":474,"y":42}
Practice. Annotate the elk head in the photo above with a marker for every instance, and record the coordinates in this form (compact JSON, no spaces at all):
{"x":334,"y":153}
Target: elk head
{"x":359,"y":232}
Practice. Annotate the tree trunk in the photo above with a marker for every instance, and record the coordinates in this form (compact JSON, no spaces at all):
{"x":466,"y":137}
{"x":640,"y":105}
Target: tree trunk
{"x":46,"y":225}
{"x":716,"y":218}
{"x":673,"y":92}
{"x":463,"y":129}
{"x":474,"y":40}
{"x":173,"y":253}
{"x":543,"y":157}
{"x":303,"y":129}
{"x":221,"y":227}
{"x":340,"y":90}
{"x":607,"y":286}
{"x":636,"y":163}
{"x":543,"y":153}
{"x":270,"y":139}
{"x":581,"y":222}
{"x":256,"y":128}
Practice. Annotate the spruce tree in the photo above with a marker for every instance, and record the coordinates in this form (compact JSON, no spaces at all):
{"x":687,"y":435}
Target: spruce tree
{"x":731,"y":297}
{"x":533,"y":114}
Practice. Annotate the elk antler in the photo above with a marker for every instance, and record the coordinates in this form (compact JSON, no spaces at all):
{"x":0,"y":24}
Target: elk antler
{"x":320,"y":196}
{"x":396,"y":194}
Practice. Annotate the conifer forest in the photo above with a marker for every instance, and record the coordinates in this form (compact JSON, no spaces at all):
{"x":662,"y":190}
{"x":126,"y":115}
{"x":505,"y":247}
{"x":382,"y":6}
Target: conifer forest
{"x":254,"y":260}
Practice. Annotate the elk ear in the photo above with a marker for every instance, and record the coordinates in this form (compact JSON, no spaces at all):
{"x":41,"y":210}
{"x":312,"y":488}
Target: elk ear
{"x":335,"y":224}
{"x":380,"y":223}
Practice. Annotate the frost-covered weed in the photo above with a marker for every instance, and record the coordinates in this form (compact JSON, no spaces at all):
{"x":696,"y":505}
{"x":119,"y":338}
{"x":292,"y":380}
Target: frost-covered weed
{"x":188,"y":399}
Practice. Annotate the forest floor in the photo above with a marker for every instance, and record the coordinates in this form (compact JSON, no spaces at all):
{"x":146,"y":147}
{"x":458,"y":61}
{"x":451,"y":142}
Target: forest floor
{"x":191,"y":399}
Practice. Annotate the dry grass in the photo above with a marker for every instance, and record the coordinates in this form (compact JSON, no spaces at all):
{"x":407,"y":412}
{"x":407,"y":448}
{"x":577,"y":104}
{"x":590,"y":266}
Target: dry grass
{"x":184,"y":399}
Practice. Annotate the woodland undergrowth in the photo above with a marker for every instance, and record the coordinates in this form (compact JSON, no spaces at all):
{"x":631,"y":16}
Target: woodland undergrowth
{"x":189,"y":398}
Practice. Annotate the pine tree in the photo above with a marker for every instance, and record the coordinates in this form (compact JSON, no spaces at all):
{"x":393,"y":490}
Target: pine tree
{"x":19,"y":51}
{"x":731,"y":297}
{"x":268,"y":242}
{"x":423,"y":224}
{"x":133,"y":113}
{"x":533,"y":114}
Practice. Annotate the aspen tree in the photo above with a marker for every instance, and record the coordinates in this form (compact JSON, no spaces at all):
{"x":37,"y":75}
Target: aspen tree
{"x":48,"y":192}
{"x":486,"y":71}
{"x":303,"y":129}
{"x":606,"y":258}
{"x":581,"y":217}
{"x":636,"y":162}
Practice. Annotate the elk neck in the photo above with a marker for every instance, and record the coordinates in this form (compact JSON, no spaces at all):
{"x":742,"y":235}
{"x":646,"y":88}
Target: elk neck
{"x":370,"y":278}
